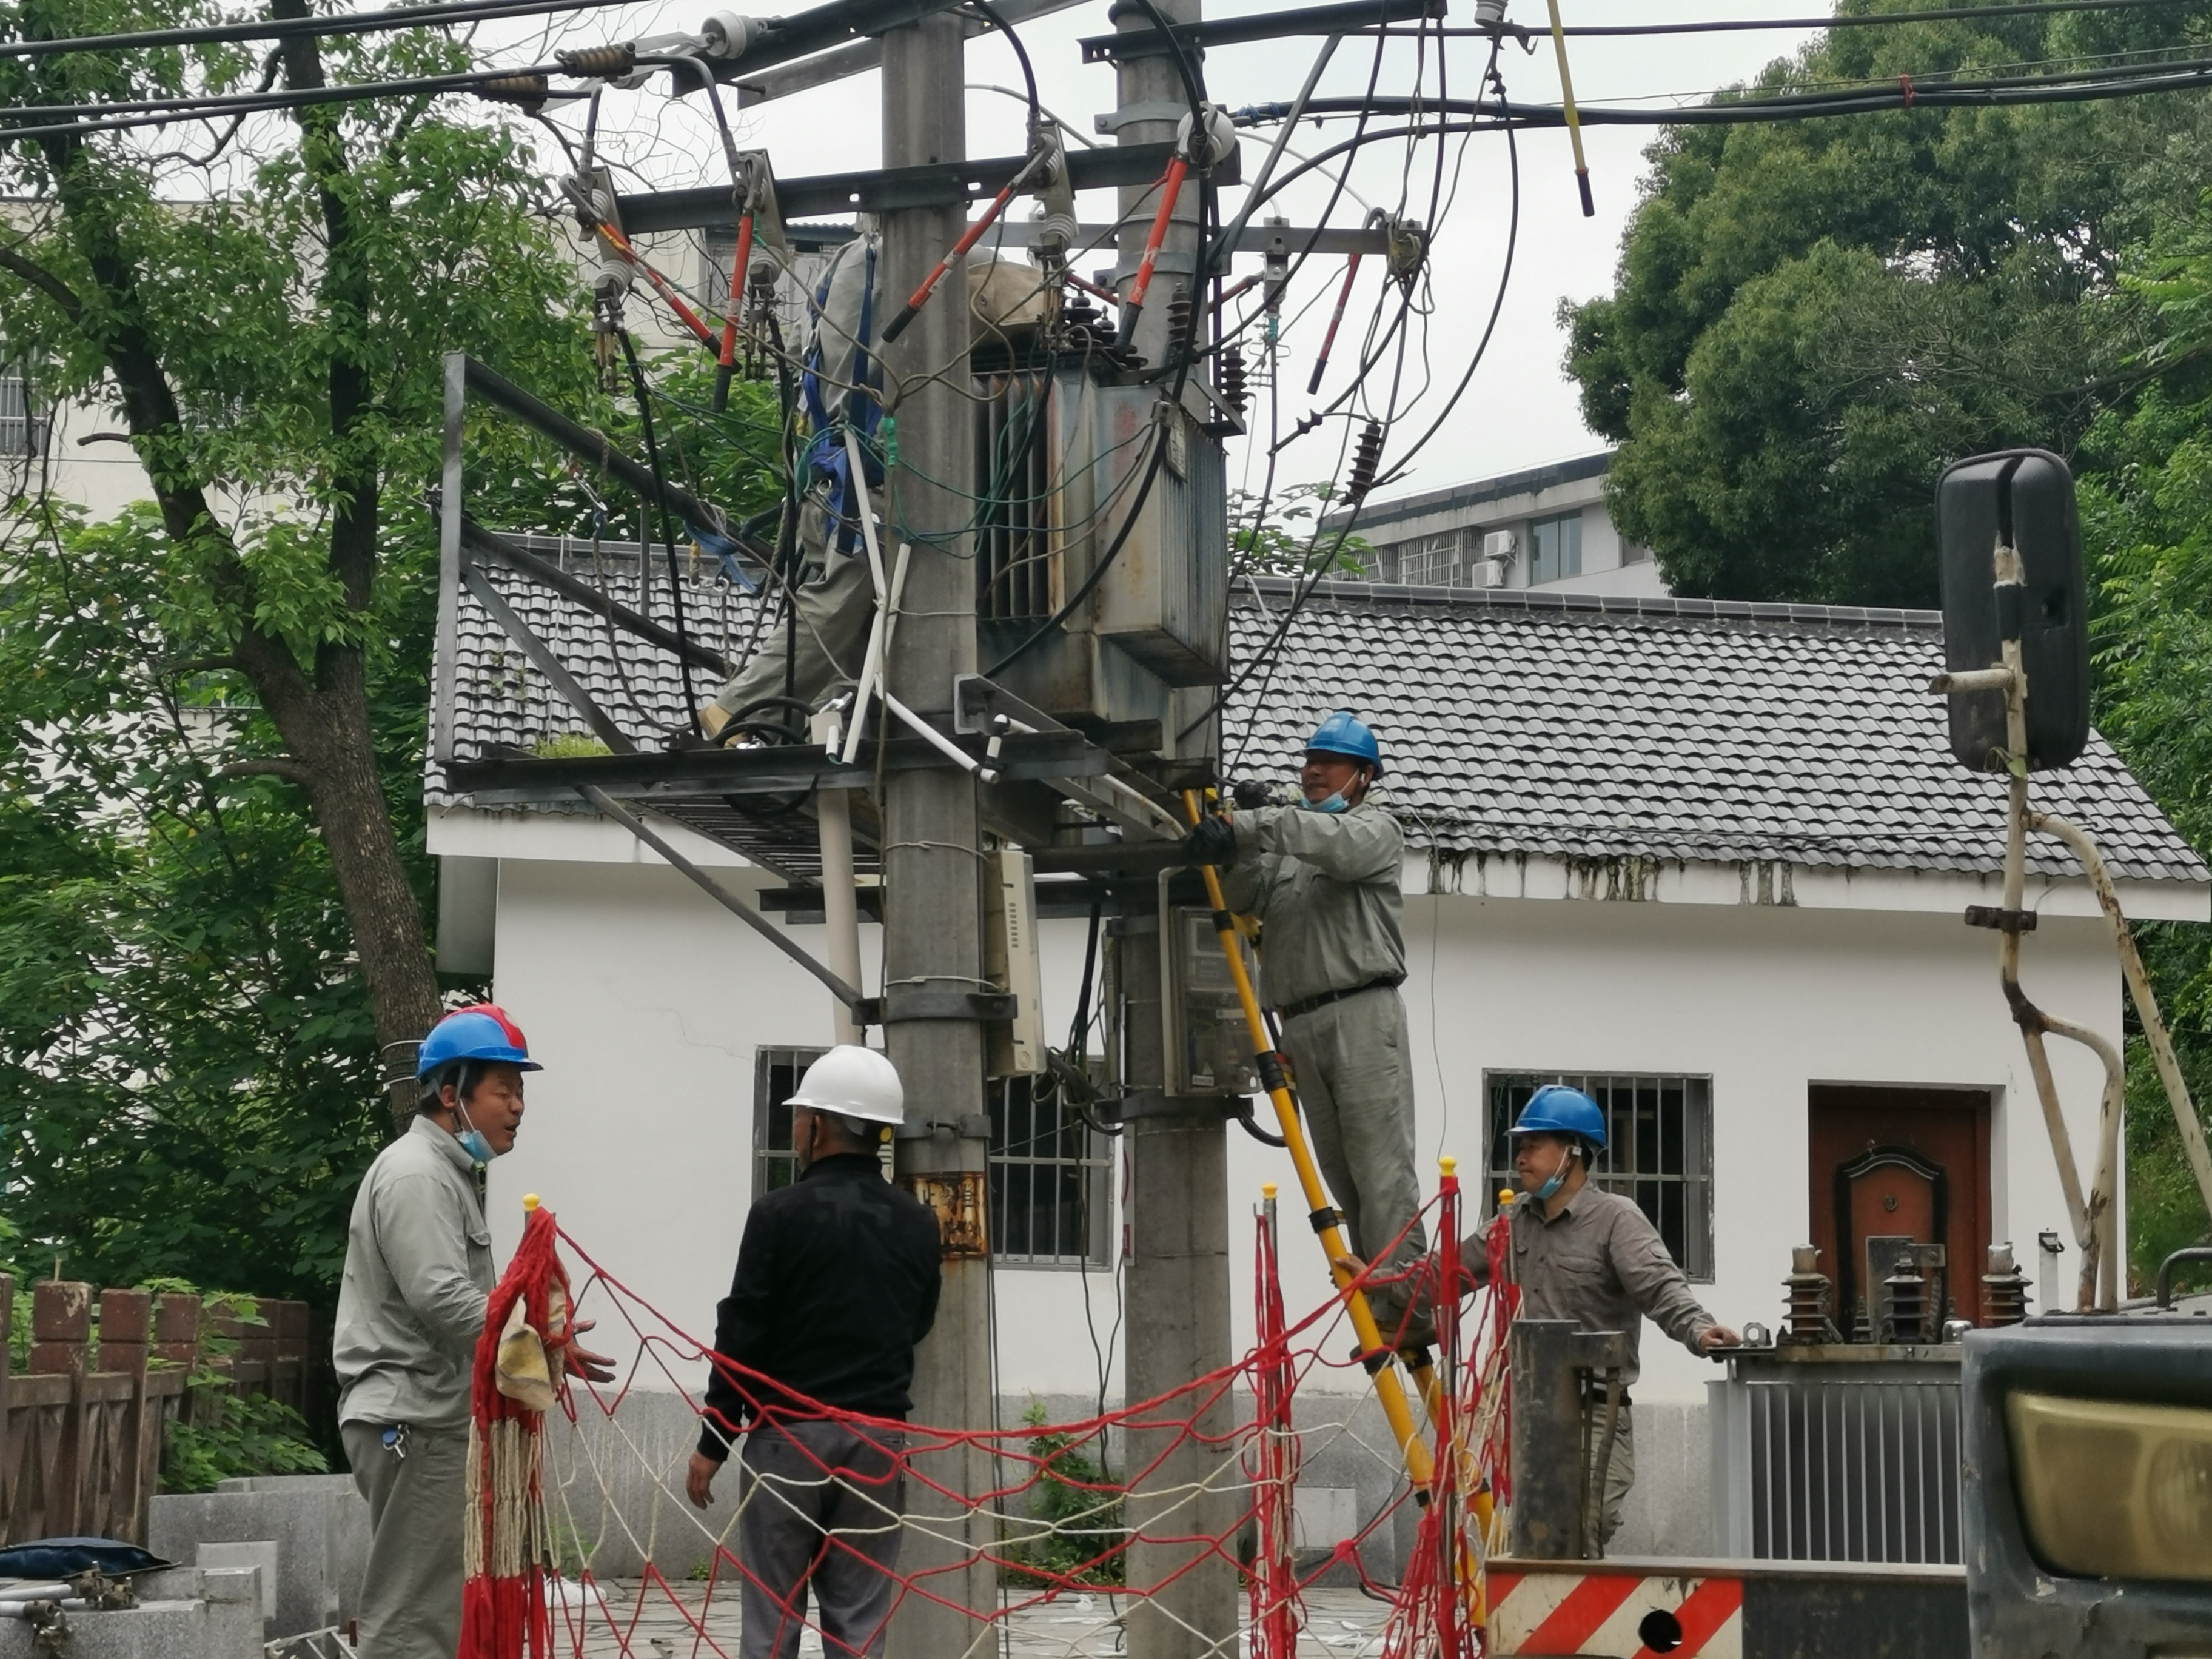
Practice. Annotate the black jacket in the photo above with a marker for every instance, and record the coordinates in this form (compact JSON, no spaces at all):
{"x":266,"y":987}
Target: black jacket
{"x":836,"y":1282}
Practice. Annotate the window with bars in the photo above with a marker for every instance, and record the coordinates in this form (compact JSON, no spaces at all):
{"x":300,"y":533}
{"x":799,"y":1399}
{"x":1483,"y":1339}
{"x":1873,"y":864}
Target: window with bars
{"x":22,"y":424}
{"x":1433,"y":561}
{"x":1658,"y":1150}
{"x":1051,"y":1184}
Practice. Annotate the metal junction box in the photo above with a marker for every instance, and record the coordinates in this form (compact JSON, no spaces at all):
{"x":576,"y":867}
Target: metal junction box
{"x":1209,"y":1049}
{"x":1165,"y":599}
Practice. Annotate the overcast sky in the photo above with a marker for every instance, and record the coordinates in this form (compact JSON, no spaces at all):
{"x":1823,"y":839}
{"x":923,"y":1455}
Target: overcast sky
{"x":1520,"y":410}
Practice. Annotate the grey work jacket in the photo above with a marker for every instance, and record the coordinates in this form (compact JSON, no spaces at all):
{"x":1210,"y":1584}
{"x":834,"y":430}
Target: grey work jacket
{"x":418,"y":1271}
{"x":1324,"y":887}
{"x":1601,"y":1263}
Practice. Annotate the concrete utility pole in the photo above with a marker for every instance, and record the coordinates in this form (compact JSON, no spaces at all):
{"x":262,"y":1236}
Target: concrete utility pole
{"x":1178,"y":1327}
{"x":932,"y":857}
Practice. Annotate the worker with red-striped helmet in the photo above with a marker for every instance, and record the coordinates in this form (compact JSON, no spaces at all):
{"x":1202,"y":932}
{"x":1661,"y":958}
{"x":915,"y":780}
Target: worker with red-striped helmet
{"x":418,"y":1271}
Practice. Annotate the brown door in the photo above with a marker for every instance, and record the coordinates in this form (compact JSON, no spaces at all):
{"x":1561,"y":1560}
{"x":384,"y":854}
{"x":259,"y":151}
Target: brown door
{"x":1900,"y":1163}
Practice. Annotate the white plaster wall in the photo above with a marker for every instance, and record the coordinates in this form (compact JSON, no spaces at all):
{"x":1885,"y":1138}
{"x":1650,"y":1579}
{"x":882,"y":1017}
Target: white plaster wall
{"x":646,"y":1003}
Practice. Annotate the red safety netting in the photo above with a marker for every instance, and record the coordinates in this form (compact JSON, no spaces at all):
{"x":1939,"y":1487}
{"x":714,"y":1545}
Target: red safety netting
{"x":1203,"y":1479}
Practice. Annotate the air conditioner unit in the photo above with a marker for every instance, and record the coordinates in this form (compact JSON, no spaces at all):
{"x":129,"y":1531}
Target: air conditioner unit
{"x":1490,"y":572}
{"x":1503,"y":546}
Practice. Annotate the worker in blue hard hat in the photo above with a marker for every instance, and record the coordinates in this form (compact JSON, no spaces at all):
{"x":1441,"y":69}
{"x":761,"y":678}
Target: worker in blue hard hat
{"x":1323,"y":877}
{"x":1584,"y":1254}
{"x":418,"y":1271}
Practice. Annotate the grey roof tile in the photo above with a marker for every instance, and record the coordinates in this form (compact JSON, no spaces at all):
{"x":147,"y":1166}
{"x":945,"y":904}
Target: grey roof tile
{"x":1699,"y":730}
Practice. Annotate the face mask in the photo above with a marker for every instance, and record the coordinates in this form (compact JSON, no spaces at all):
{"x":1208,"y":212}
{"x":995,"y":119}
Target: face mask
{"x":472,"y":1138}
{"x":1335,"y":803}
{"x":1557,"y":1180}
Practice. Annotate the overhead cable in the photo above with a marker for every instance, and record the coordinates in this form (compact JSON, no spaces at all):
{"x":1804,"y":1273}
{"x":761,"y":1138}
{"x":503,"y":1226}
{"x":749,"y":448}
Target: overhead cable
{"x":1845,"y":19}
{"x":285,"y":28}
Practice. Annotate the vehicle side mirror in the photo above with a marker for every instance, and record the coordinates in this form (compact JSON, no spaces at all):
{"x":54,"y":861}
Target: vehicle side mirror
{"x":2023,"y":499}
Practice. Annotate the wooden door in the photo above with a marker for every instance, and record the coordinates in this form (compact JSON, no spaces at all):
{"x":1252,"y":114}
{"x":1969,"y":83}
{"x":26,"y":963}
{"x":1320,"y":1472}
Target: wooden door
{"x":1900,"y":1162}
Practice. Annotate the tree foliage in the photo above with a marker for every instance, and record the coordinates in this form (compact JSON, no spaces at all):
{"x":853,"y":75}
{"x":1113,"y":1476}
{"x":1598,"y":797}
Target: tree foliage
{"x":1810,"y":318}
{"x":213,"y":883}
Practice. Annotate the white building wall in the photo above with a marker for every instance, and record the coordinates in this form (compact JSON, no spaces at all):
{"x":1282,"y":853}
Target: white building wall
{"x":646,"y":1002}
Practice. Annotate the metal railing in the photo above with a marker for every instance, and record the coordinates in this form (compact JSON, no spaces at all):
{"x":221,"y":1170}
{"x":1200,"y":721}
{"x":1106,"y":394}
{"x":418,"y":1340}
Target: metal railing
{"x":1829,"y":1454}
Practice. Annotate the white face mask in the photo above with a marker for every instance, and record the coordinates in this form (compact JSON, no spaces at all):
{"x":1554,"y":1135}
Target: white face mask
{"x":1335,"y":803}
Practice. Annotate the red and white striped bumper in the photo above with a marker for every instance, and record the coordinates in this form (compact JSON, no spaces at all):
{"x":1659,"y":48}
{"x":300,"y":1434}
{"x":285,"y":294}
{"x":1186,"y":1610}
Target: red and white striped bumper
{"x":1582,"y":1609}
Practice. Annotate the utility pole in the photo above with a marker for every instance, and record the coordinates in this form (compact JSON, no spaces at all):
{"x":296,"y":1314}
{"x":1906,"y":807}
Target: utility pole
{"x":1178,"y":1231}
{"x":932,"y":852}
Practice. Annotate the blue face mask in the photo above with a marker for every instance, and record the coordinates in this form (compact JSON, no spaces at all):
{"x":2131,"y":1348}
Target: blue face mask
{"x":1559,"y":1179}
{"x":472,"y":1138}
{"x":1335,"y":803}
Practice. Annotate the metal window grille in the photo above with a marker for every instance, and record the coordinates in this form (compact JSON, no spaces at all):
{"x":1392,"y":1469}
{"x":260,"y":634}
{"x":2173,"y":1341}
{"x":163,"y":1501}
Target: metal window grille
{"x":22,"y":428}
{"x":1658,"y":1150}
{"x":1050,"y":1181}
{"x":1051,"y":1174}
{"x":1555,"y":548}
{"x":1015,"y":568}
{"x":1433,"y":561}
{"x":1860,"y":1461}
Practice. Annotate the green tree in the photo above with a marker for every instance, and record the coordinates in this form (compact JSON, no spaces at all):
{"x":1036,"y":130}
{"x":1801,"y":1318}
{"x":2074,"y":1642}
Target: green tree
{"x":1810,"y":318}
{"x":266,"y":318}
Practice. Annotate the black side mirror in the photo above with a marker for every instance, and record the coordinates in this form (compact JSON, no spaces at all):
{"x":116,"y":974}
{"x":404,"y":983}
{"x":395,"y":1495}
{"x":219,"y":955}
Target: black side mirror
{"x":2023,"y":499}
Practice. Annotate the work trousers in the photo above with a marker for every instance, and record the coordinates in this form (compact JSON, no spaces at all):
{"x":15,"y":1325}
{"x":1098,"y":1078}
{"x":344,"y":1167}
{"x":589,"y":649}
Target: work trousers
{"x":410,"y":1596}
{"x":1355,"y":1080}
{"x":1604,"y":1518}
{"x":821,"y":1512}
{"x":835,"y":608}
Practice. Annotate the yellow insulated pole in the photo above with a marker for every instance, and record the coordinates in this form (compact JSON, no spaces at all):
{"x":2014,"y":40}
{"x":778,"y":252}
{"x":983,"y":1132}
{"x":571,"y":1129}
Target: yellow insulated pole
{"x":1574,"y":119}
{"x":1387,"y":1389}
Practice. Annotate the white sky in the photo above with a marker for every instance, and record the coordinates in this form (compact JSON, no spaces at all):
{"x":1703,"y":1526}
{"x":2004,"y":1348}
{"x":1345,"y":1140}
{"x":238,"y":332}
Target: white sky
{"x":1521,"y":410}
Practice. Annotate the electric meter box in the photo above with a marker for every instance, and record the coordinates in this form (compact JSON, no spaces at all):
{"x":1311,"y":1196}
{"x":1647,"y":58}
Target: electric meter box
{"x":1209,"y":1047}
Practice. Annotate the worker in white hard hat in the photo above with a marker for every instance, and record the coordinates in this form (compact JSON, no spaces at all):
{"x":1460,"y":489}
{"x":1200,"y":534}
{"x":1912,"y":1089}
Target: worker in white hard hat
{"x":836,"y":1283}
{"x":1322,"y":877}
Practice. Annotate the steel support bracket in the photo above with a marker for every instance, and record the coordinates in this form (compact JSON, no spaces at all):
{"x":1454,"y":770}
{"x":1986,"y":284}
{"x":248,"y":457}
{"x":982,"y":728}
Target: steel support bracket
{"x":2004,"y":921}
{"x":1188,"y":1109}
{"x":924,"y":1002}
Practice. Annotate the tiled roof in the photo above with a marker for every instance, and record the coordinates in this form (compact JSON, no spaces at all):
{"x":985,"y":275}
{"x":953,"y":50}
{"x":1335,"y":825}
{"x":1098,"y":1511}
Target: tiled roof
{"x":1575,"y":726}
{"x":502,"y":701}
{"x":1588,"y":726}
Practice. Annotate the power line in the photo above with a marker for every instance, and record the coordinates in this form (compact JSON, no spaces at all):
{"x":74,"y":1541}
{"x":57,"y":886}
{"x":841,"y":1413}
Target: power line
{"x":285,"y":28}
{"x":161,"y":111}
{"x":1932,"y":14}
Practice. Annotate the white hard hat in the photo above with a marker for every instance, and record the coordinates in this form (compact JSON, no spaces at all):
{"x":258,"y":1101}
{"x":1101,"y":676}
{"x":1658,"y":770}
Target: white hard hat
{"x":853,"y":1082}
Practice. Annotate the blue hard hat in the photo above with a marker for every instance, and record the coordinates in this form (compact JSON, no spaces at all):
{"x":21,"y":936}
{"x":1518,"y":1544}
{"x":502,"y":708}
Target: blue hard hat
{"x":482,"y":1032}
{"x":1556,"y":1109}
{"x":1342,"y":734}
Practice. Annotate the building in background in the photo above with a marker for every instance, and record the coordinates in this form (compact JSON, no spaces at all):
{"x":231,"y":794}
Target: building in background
{"x":1546,"y":528}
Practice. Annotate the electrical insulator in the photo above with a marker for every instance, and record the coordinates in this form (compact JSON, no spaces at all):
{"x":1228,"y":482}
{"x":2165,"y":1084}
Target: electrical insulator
{"x":1179,"y":321}
{"x":1489,"y":14}
{"x":726,"y":35}
{"x":599,"y":62}
{"x":527,"y":91}
{"x":1232,"y":378}
{"x":1364,"y":461}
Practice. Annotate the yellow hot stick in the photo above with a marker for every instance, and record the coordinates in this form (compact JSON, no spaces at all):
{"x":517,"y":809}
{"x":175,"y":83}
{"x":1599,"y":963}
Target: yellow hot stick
{"x":1394,"y":1408}
{"x":1574,"y":119}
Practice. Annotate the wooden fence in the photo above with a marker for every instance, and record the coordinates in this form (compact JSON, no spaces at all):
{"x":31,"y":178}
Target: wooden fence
{"x":81,"y":1432}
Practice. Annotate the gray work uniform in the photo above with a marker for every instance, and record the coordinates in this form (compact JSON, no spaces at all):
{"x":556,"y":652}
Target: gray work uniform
{"x":835,"y":601}
{"x":832,"y":1540}
{"x":836,"y":607}
{"x":1324,"y":887}
{"x":1601,"y":1263}
{"x":418,"y":1271}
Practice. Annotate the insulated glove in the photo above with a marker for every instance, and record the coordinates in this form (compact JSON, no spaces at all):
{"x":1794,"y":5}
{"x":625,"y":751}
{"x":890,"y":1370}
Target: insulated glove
{"x":1250,"y":793}
{"x":1212,"y":842}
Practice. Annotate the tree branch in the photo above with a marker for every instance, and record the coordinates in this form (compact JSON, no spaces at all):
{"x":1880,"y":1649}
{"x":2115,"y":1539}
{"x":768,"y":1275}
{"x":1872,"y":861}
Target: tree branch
{"x":275,"y":766}
{"x":44,"y":280}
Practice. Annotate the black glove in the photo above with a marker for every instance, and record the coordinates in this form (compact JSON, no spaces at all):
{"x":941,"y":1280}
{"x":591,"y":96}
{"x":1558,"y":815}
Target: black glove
{"x":1213,"y":842}
{"x":1250,"y":793}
